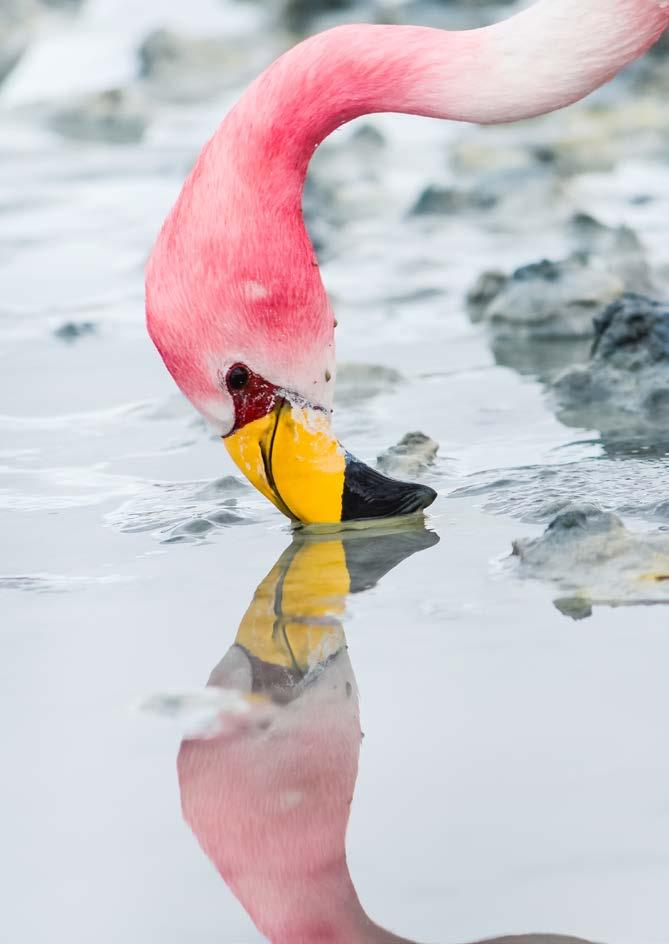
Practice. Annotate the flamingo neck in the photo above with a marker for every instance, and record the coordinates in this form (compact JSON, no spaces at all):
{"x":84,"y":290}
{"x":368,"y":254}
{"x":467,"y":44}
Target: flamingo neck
{"x":234,"y":271}
{"x":548,"y":56}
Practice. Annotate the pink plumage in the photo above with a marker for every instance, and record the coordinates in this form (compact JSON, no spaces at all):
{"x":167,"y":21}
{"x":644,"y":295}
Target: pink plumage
{"x":233,"y":276}
{"x":270,"y":805}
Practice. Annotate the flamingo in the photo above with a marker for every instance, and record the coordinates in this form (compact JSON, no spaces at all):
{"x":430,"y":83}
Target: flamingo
{"x":268,"y":794}
{"x":234,"y":299}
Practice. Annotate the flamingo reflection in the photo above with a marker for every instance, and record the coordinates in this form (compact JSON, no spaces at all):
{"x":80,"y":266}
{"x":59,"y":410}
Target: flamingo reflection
{"x":268,"y":793}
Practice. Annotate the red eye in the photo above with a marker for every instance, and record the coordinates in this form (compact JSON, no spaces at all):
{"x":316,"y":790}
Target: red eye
{"x":238,"y":377}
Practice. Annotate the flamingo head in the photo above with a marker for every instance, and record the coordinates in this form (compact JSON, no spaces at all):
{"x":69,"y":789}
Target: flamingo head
{"x":243,"y":324}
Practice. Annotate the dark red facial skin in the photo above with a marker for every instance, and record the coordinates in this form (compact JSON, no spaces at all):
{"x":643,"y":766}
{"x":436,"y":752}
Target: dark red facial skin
{"x":255,"y":399}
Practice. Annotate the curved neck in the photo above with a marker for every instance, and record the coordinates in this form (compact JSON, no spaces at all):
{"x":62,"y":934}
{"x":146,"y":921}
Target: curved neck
{"x":234,"y":274}
{"x":544,"y":58}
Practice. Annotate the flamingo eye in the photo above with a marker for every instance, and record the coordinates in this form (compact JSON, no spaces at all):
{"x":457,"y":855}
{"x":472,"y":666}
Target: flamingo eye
{"x":238,"y":377}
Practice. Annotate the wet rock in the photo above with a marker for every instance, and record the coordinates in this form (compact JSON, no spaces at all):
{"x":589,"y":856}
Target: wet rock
{"x":624,"y":388}
{"x":619,"y":246}
{"x":412,"y":455}
{"x":485,"y":290}
{"x":546,"y":299}
{"x":560,"y":300}
{"x":74,"y":330}
{"x":596,"y":560}
{"x":115,"y":116}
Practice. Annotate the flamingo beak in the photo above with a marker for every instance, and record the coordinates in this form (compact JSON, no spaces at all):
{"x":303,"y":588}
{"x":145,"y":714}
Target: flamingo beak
{"x":291,"y":456}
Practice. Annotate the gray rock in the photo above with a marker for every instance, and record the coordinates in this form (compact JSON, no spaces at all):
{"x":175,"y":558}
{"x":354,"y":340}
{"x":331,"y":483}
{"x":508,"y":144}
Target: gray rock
{"x":74,"y":330}
{"x":485,"y":290}
{"x":618,"y":245}
{"x":595,"y":560}
{"x":410,"y":457}
{"x":624,"y":388}
{"x":560,"y":300}
{"x":546,"y":300}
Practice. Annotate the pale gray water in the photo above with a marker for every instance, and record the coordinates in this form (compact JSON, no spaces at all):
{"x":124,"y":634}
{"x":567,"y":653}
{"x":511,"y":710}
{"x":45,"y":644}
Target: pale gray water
{"x":513,"y":775}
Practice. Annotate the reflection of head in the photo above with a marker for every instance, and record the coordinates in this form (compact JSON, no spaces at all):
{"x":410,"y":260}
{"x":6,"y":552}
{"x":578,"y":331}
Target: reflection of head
{"x":293,"y":625}
{"x":269,"y":800}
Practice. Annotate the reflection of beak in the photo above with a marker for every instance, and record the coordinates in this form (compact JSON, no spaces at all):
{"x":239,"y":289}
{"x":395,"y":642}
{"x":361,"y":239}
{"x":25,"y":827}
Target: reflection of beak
{"x":294,"y":623}
{"x":291,"y":456}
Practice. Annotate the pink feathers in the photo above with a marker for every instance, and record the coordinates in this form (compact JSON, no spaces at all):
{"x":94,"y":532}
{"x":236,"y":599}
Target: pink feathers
{"x":233,"y":274}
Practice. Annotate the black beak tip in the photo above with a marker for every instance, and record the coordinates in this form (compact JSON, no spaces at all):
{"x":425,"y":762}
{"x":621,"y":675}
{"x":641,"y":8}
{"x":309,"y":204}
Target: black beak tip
{"x":369,"y":494}
{"x":422,"y":497}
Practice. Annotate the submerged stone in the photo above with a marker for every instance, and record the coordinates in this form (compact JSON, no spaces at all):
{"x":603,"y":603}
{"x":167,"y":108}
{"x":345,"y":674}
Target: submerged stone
{"x":74,"y":330}
{"x":595,"y":560}
{"x":410,"y":457}
{"x":624,"y":387}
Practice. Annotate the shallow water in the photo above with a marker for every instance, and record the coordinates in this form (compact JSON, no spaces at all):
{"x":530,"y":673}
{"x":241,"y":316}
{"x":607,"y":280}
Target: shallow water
{"x":512,"y":776}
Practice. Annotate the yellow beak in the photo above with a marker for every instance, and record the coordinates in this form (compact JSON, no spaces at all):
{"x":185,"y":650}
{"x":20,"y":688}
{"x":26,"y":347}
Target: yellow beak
{"x":291,"y":456}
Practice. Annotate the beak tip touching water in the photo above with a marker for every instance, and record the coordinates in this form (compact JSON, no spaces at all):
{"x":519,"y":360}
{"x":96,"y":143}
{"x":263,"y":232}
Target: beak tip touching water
{"x":369,"y":494}
{"x":291,"y":456}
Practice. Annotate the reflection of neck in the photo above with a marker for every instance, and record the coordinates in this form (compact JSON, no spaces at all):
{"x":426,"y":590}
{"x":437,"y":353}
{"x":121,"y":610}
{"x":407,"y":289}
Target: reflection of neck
{"x":269,"y":805}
